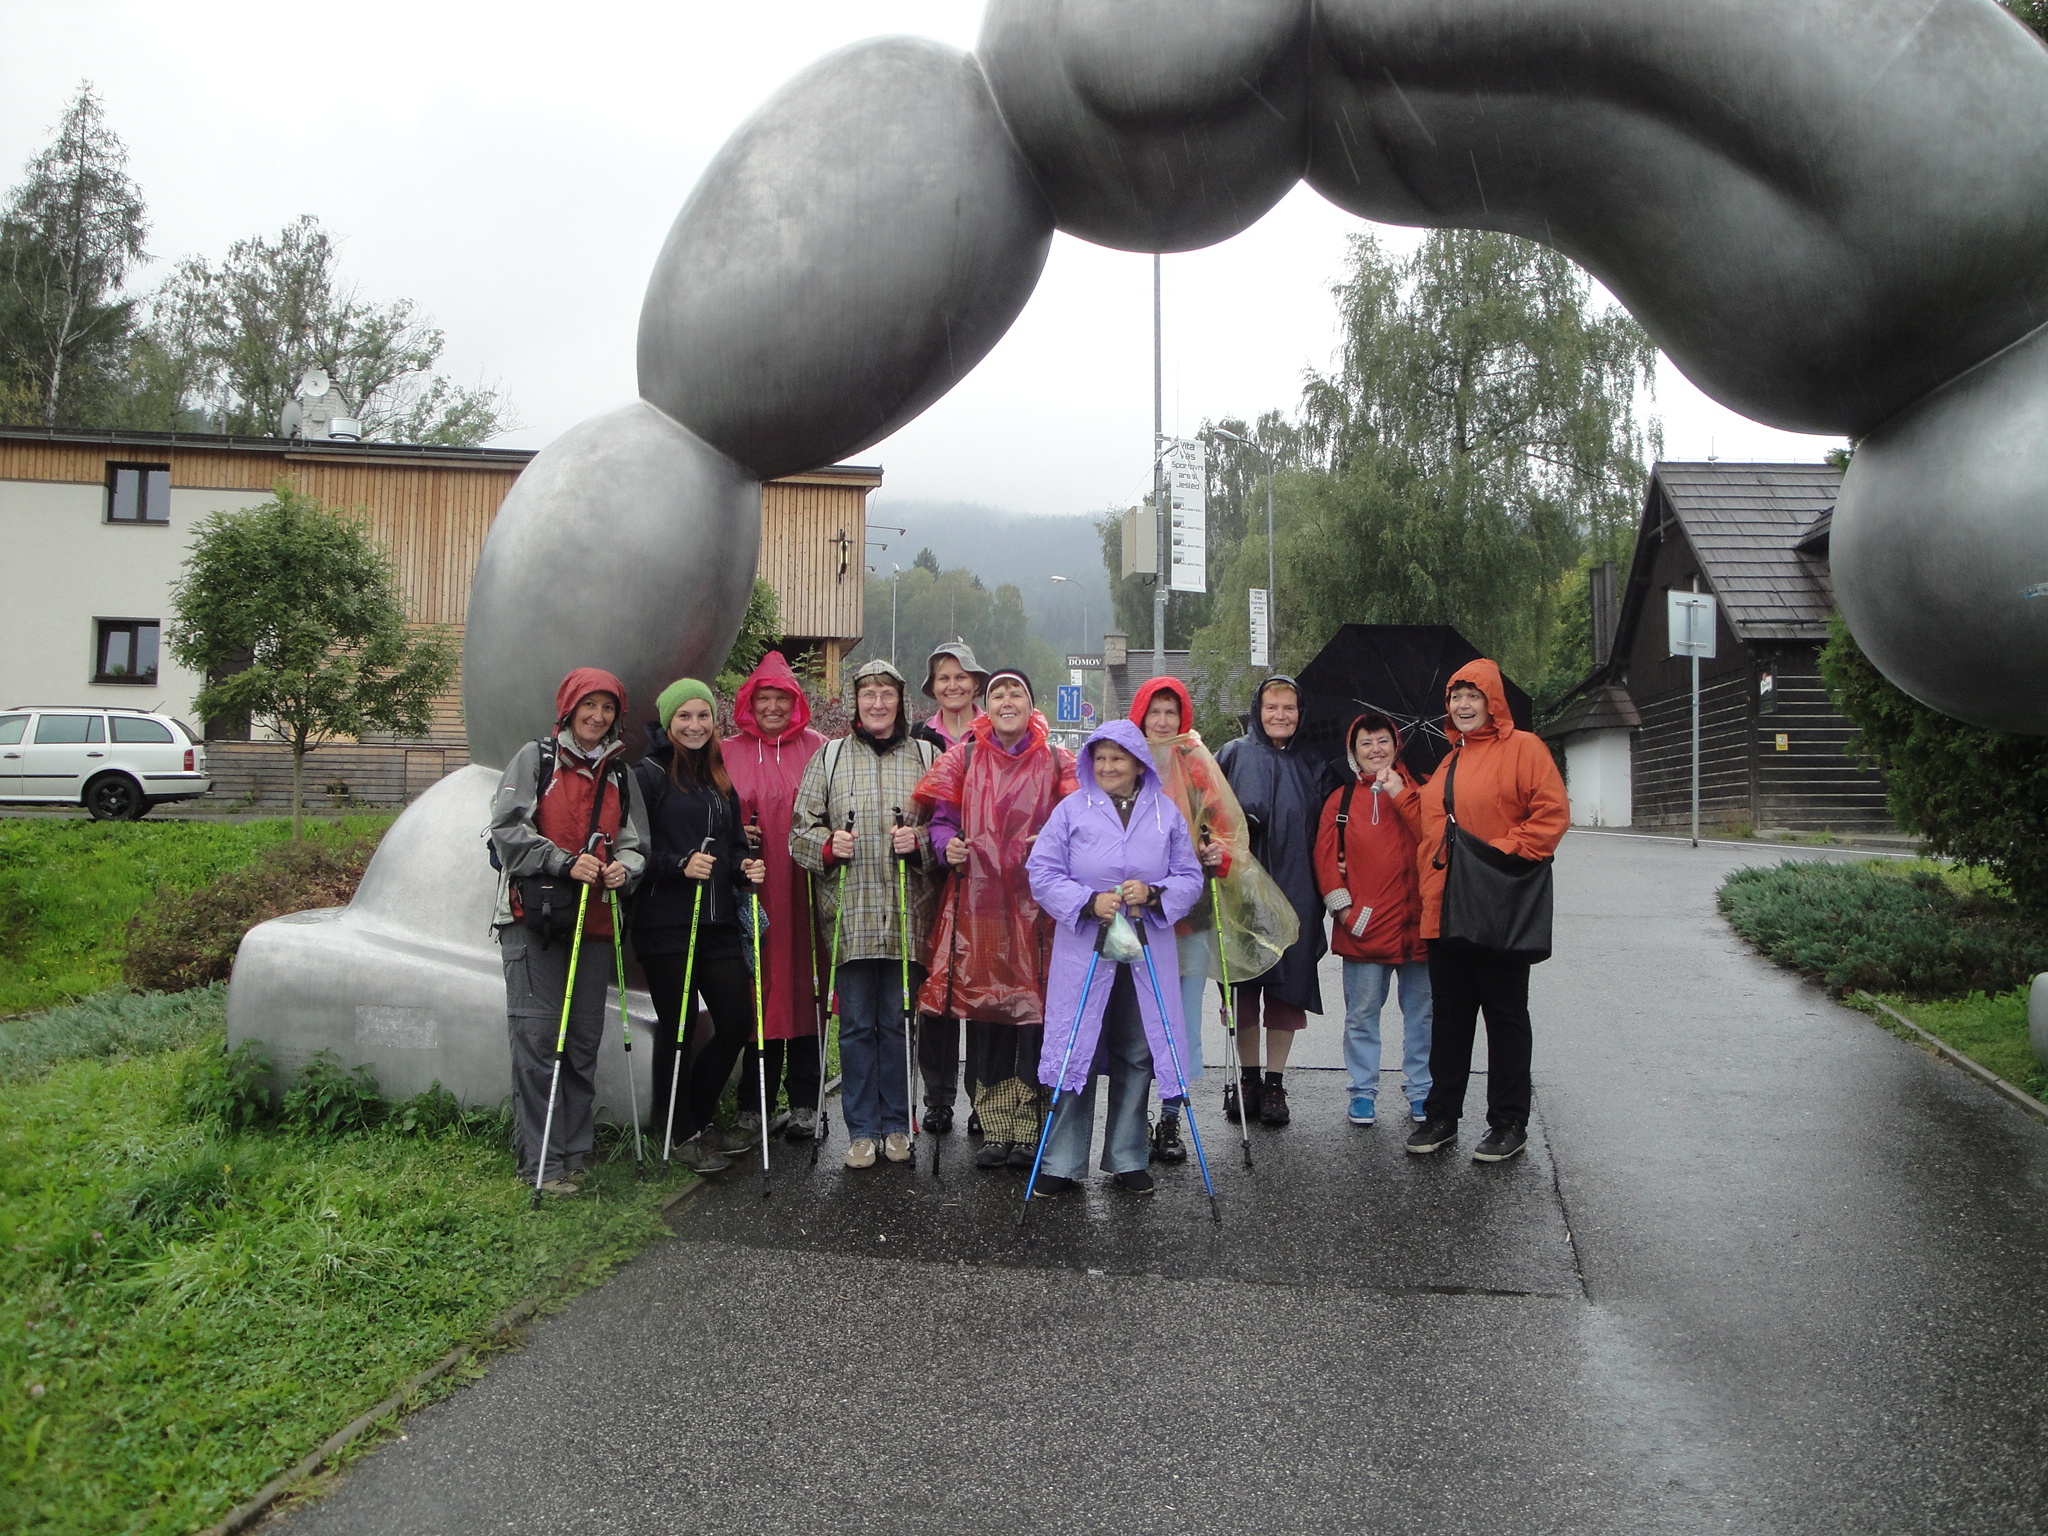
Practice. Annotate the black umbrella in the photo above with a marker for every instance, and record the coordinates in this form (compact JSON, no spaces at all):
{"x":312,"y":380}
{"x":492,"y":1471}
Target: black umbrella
{"x":1400,"y":670}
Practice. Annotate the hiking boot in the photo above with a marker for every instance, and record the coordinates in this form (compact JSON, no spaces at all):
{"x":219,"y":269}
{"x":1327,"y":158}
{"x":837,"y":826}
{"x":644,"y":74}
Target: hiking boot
{"x":803,"y":1125}
{"x":1167,"y":1147}
{"x":1252,"y":1094}
{"x":938,"y":1119}
{"x":1136,"y":1182}
{"x":1273,"y":1103}
{"x":1500,"y":1143}
{"x":993,"y":1154}
{"x":558,"y":1187}
{"x":862,"y":1153}
{"x":1433,"y":1137}
{"x":698,"y":1158}
{"x":1363,"y":1110}
{"x":726,"y":1142}
{"x":896,"y":1146}
{"x":1022,"y":1154}
{"x":1050,"y":1184}
{"x":748,"y":1123}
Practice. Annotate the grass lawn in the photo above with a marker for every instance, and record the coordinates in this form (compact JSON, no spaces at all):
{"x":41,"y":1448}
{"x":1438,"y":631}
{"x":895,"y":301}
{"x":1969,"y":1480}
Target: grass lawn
{"x":68,"y":888}
{"x":188,"y":1312}
{"x":1990,"y":1030}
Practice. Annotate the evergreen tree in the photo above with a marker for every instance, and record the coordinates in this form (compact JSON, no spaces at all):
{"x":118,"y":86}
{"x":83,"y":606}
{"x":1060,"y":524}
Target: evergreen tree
{"x":68,"y":236}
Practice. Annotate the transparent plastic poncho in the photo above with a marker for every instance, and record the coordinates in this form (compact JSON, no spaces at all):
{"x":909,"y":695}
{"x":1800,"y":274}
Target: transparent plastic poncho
{"x":1246,"y":917}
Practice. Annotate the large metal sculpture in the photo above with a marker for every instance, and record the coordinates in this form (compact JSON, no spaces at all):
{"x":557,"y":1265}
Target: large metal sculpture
{"x":1832,"y":215}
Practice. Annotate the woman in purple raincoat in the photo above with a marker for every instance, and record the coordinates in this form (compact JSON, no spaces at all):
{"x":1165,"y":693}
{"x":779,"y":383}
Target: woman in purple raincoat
{"x":1116,"y":842}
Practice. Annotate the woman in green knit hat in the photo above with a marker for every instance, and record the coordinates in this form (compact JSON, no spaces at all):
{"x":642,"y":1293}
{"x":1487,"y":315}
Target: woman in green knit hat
{"x":697,"y":844}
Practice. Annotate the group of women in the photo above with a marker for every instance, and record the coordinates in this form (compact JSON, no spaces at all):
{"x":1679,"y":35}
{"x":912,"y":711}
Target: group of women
{"x":963,"y":877}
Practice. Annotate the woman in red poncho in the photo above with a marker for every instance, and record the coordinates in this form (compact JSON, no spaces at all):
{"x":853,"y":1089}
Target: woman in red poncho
{"x":766,"y":759}
{"x":989,"y":798}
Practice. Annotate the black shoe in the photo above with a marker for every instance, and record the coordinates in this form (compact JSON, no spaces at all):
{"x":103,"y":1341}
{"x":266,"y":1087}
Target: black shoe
{"x":1136,"y":1182}
{"x":1022,"y":1154}
{"x":938,"y":1119}
{"x":1252,"y":1093}
{"x":1500,"y":1143}
{"x":1273,"y":1104}
{"x":1230,"y":1109}
{"x":1052,"y":1184}
{"x":1434,"y":1136}
{"x":993,"y":1154}
{"x":974,"y":1122}
{"x":1167,"y":1147}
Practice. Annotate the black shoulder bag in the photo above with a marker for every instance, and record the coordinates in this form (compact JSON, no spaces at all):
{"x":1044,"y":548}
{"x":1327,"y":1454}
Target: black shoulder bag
{"x":1495,"y":904}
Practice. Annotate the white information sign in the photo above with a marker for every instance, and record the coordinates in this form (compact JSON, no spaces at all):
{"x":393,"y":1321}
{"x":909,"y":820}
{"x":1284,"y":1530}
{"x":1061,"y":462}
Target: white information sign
{"x":1692,"y":624}
{"x":1187,"y":474}
{"x":1262,"y":649}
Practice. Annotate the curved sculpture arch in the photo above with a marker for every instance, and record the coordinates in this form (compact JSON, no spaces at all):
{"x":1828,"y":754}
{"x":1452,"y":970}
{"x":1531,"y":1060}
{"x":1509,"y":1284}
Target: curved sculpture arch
{"x":1832,"y":216}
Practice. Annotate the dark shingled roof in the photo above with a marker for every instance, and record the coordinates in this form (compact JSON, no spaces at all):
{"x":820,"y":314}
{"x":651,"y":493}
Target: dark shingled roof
{"x":1604,"y":708}
{"x":1746,"y":523}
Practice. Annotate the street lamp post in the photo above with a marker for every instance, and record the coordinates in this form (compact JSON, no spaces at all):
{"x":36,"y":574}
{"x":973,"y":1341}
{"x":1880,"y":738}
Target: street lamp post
{"x":1272,"y":605}
{"x":895,"y":581}
{"x":1069,"y":581}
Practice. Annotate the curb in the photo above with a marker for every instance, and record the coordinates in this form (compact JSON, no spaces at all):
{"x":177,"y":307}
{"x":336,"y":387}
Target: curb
{"x":1990,"y":1079}
{"x":242,"y":1516}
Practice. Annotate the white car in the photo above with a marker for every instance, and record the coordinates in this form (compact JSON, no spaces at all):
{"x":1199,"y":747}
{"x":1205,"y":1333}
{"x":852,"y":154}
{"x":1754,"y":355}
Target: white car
{"x":117,"y":763}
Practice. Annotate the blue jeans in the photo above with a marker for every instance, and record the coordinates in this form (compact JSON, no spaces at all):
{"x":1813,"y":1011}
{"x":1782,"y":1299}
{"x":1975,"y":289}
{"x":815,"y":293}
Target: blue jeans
{"x":1126,"y":1060}
{"x":1366,"y":983}
{"x":874,"y":1088}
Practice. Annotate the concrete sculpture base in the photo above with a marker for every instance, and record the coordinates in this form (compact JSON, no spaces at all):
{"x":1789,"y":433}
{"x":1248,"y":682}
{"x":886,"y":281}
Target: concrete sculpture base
{"x":406,"y":979}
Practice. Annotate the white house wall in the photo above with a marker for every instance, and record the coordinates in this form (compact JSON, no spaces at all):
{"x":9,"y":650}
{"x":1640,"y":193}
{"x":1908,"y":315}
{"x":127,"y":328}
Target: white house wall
{"x":1598,"y":778}
{"x":66,"y":566}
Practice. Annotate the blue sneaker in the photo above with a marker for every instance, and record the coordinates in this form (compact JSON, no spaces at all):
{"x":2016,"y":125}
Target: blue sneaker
{"x":1418,"y":1112}
{"x":1362,"y":1109}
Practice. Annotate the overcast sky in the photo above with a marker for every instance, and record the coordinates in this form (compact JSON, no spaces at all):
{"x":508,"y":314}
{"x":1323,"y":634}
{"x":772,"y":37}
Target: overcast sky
{"x":513,"y":168}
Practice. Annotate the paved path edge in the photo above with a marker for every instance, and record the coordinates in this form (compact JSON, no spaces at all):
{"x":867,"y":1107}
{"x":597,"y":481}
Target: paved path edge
{"x":506,"y":1323}
{"x":1954,"y":1057}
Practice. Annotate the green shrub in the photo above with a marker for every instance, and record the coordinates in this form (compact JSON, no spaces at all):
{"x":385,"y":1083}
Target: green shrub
{"x":189,"y":938}
{"x":227,"y":1086}
{"x":112,"y":1024}
{"x":331,"y":1100}
{"x":437,"y":1112}
{"x":1911,"y":933}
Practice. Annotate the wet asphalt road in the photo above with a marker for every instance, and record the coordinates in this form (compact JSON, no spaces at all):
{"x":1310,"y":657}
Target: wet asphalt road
{"x":1765,"y":1268}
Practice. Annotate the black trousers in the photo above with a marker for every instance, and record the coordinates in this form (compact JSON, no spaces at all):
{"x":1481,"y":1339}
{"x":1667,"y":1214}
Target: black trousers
{"x":791,"y":1063}
{"x":1463,"y":985}
{"x":726,"y":989}
{"x":938,"y":1060}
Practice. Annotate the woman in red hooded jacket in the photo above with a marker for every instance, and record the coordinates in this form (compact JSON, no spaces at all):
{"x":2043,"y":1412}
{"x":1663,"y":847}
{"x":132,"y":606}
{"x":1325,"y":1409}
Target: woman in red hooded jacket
{"x":766,"y":758}
{"x":1365,"y":868}
{"x":1507,"y":791}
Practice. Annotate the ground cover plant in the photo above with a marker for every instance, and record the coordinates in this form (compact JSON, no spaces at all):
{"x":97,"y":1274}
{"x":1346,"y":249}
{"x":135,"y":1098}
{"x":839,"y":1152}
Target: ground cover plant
{"x":69,"y":888}
{"x":197,"y":1299}
{"x":1914,"y":931}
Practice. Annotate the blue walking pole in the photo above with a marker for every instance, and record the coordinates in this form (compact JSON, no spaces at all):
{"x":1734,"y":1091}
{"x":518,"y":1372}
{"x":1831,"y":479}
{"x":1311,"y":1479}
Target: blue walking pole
{"x":1173,"y":1050}
{"x":1073,"y":1034}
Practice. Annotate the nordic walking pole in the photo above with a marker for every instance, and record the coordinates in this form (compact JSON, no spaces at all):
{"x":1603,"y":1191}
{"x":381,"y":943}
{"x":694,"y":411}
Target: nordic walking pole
{"x":675,"y":1077}
{"x":1244,"y":1124}
{"x":831,"y":1006}
{"x":1173,"y":1051}
{"x":903,"y":988}
{"x":1073,"y":1034}
{"x":760,"y":1045}
{"x":626,"y":1033}
{"x":818,"y":1005}
{"x":547,"y":1128}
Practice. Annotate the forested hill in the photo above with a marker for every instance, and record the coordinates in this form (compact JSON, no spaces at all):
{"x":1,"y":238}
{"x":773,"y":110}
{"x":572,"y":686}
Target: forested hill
{"x":1015,"y":548}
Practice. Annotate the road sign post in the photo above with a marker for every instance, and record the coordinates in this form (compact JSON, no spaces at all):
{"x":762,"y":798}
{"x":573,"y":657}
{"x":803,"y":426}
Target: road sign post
{"x":1069,"y":704}
{"x":1690,"y":617}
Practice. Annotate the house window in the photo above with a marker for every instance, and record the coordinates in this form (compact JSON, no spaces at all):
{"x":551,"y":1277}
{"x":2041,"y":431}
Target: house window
{"x":126,"y":650}
{"x":139,"y":493}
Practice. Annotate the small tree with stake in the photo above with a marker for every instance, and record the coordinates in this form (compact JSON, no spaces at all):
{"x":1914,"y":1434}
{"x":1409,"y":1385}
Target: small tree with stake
{"x":292,"y":614}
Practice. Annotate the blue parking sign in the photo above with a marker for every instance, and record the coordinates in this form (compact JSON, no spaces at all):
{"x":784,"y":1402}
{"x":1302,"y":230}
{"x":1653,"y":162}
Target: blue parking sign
{"x":1069,"y":705}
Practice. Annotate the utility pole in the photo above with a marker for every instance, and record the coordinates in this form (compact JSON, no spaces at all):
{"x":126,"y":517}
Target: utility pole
{"x":1162,"y":514}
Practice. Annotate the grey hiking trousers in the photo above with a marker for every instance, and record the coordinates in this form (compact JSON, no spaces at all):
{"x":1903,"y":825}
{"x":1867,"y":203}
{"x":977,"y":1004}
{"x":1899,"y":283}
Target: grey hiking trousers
{"x":534,"y":981}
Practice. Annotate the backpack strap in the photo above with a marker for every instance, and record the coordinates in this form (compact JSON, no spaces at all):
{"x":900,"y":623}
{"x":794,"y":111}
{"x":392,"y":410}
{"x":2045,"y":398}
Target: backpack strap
{"x":1343,"y":821}
{"x":1450,"y":809}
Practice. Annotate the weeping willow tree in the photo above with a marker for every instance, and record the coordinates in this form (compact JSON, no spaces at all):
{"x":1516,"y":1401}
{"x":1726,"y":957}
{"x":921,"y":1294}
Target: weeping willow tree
{"x":1475,"y":447}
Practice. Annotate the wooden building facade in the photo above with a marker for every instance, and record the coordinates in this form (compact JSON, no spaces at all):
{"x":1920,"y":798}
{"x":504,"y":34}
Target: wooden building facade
{"x":75,"y":564}
{"x":1772,"y":746}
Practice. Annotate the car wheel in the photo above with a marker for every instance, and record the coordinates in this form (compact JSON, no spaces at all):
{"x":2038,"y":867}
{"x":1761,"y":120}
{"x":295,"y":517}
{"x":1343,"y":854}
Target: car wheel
{"x":114,"y":797}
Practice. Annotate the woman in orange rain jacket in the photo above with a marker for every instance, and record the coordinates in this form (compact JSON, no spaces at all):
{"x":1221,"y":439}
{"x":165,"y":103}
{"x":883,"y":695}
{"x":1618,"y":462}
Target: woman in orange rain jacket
{"x":1509,"y":793}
